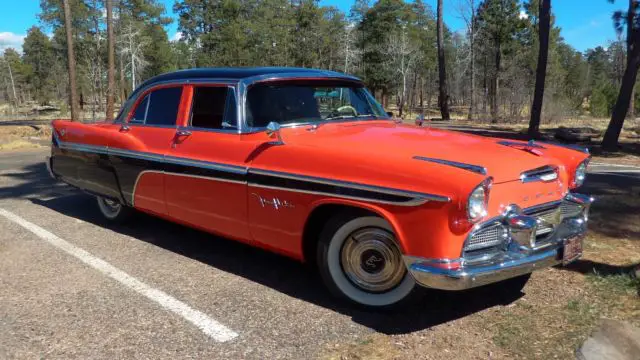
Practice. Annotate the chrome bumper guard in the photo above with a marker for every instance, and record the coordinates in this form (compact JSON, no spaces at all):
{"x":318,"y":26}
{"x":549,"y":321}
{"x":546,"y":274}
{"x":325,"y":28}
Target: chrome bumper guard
{"x":519,"y":256}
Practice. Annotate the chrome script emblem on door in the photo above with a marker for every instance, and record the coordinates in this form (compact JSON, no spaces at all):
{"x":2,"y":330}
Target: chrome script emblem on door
{"x":275,"y":202}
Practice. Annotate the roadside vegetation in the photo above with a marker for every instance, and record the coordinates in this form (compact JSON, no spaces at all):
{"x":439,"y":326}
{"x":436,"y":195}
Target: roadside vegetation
{"x":508,"y":64}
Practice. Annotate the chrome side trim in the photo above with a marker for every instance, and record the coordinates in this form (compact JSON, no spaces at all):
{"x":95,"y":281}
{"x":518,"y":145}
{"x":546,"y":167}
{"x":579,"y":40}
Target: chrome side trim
{"x":82,"y":147}
{"x":413,"y":202}
{"x":469,"y":167}
{"x":135,"y":154}
{"x":206,"y":165}
{"x":357,"y":186}
{"x":414,"y":198}
{"x":135,"y":185}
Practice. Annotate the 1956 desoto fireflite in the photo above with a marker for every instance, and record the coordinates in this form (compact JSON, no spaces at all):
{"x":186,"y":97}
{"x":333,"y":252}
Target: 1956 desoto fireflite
{"x":306,"y":163}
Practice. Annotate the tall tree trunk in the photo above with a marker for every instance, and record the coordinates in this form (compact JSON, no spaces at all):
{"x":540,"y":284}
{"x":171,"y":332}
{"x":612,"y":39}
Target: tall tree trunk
{"x":485,"y":85}
{"x":421,"y":94}
{"x":13,"y":85}
{"x":123,"y":89}
{"x":111,"y":71}
{"x":632,"y":104}
{"x":495,"y":84}
{"x":443,"y":99}
{"x":73,"y":91}
{"x":541,"y":70}
{"x":472,"y":61}
{"x":611,"y":136}
{"x":610,"y":140}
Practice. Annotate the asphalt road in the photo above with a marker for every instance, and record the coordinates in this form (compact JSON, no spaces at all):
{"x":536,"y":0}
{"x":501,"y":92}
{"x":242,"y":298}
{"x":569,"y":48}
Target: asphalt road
{"x":73,"y":286}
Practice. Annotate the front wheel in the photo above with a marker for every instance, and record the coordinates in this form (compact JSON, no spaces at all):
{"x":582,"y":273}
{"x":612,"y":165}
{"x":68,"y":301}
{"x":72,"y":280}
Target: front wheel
{"x":113,"y":211}
{"x":360,"y":260}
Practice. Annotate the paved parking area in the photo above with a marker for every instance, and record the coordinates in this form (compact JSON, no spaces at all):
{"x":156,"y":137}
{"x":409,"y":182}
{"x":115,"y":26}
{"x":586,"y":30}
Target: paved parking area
{"x":73,"y":286}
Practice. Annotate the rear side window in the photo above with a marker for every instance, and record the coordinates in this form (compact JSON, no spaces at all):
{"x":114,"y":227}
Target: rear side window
{"x":141,"y":111}
{"x":159,"y":107}
{"x":213,"y":108}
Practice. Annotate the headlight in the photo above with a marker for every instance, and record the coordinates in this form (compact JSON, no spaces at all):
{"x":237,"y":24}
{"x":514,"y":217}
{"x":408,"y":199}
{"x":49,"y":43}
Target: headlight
{"x":478,"y":200}
{"x":581,"y":173}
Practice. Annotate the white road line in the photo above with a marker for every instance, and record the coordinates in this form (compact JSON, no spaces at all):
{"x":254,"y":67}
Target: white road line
{"x":611,"y":171}
{"x":205,"y":323}
{"x":614,"y":165}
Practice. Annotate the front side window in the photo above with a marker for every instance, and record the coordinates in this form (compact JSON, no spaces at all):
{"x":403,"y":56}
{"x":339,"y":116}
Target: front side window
{"x":213,"y":108}
{"x":159,"y":107}
{"x":302,"y":103}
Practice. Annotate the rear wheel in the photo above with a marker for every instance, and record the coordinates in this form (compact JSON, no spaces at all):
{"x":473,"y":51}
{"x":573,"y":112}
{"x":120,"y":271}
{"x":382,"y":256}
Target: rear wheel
{"x":112,"y":210}
{"x":360,"y":260}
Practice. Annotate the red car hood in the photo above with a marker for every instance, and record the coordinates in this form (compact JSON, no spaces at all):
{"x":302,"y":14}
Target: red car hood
{"x":380,"y":139}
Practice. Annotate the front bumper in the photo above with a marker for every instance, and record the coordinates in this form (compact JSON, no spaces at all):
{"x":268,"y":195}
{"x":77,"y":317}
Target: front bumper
{"x":518,"y":257}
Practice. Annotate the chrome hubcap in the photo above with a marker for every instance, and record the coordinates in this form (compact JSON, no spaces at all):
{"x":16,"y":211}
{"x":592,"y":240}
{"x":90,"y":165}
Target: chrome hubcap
{"x":372,"y":261}
{"x":111,"y":206}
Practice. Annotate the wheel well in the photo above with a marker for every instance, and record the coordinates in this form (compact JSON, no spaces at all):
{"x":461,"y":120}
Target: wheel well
{"x":316,"y":221}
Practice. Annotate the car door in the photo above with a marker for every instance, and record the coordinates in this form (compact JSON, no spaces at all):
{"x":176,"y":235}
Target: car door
{"x":206,"y":166}
{"x":137,"y":151}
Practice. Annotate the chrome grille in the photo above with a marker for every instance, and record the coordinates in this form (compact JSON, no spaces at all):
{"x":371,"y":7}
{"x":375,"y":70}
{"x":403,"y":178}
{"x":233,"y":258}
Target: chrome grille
{"x":547,"y":220}
{"x":489,"y":236}
{"x":570,"y":209}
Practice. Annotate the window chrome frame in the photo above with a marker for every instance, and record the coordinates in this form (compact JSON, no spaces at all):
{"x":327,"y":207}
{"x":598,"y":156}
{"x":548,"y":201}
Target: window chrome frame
{"x":232,"y":87}
{"x":244,"y":86}
{"x":241,"y":87}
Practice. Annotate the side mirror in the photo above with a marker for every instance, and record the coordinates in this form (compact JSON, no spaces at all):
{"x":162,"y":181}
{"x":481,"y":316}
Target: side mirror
{"x":390,"y":113}
{"x":273,"y":128}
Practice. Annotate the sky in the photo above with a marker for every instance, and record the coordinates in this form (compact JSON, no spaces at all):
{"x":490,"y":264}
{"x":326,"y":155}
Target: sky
{"x":585,"y":24}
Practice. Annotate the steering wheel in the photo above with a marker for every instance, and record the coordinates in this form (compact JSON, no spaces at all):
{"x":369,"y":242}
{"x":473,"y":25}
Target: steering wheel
{"x":347,"y":108}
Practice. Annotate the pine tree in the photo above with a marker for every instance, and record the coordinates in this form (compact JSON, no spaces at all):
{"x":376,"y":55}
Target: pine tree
{"x":631,"y":21}
{"x":544,"y":28}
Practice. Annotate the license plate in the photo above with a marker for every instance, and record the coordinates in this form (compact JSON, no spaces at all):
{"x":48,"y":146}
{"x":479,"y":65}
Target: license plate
{"x":572,"y":249}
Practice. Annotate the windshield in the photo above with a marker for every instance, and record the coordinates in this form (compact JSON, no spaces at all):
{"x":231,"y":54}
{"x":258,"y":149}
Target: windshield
{"x":295,"y":104}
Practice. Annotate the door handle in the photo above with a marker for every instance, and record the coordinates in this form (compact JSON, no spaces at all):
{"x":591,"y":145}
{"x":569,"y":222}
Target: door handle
{"x":124,"y":128}
{"x":183,"y":133}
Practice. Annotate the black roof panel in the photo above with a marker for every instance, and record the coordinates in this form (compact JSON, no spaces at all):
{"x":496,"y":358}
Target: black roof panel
{"x":239,"y":73}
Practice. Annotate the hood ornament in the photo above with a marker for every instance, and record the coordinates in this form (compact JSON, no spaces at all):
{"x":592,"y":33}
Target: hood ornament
{"x":531,"y":146}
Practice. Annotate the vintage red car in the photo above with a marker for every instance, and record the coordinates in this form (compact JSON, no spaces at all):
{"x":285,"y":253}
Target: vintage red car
{"x":306,"y":163}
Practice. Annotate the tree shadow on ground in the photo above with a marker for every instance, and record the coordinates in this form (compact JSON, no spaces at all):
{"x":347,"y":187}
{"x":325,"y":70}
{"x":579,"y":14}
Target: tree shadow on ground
{"x":280,"y":273}
{"x":587,"y":267}
{"x":616,"y":210}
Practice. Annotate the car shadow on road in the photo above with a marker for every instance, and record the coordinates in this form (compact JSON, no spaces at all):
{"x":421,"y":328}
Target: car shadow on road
{"x":280,"y":273}
{"x":270,"y":270}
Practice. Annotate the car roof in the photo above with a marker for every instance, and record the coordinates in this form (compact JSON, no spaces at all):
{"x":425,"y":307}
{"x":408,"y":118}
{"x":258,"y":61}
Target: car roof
{"x":242,"y":73}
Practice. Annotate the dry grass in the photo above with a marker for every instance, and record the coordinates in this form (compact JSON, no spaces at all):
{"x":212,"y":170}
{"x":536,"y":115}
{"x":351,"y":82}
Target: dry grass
{"x":22,"y":137}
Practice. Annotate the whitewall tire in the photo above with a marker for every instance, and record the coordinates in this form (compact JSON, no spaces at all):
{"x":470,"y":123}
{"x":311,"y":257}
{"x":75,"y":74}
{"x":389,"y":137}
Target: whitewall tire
{"x":360,"y":260}
{"x":112,"y":210}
